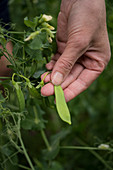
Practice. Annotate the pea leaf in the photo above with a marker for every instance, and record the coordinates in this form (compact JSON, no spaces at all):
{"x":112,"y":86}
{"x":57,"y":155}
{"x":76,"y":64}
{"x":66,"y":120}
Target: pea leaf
{"x":56,"y":166}
{"x":36,"y":43}
{"x":53,"y":152}
{"x":38,"y":73}
{"x":31,"y":24}
{"x":61,"y":105}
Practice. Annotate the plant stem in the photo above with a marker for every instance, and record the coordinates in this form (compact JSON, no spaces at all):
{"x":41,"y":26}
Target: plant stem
{"x":101,"y":159}
{"x":5,"y":77}
{"x":13,"y":32}
{"x":7,"y":58}
{"x":23,"y":167}
{"x":14,"y":39}
{"x":23,"y":63}
{"x":10,"y":157}
{"x":10,"y":56}
{"x":23,"y":147}
{"x":25,"y":152}
{"x":96,"y":155}
{"x":45,"y":140}
{"x":86,"y":148}
{"x":36,"y":115}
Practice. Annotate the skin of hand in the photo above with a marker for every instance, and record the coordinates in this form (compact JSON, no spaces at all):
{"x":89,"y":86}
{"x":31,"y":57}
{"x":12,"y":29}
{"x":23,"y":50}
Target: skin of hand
{"x":4,"y":71}
{"x":83,"y":47}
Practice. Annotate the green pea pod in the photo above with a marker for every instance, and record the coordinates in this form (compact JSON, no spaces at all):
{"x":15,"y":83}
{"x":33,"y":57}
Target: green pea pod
{"x":19,"y":93}
{"x":20,"y":97}
{"x":41,"y":84}
{"x":61,"y":105}
{"x":34,"y":93}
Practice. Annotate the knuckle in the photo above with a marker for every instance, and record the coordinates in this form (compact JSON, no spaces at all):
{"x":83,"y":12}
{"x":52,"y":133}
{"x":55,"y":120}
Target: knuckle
{"x":101,"y":65}
{"x":66,"y":64}
{"x":80,"y":42}
{"x":104,"y":63}
{"x":108,"y":56}
{"x":82,"y":83}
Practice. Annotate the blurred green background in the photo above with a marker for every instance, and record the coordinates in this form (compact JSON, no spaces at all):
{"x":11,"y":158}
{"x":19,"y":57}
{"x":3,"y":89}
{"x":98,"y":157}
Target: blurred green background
{"x":92,"y":111}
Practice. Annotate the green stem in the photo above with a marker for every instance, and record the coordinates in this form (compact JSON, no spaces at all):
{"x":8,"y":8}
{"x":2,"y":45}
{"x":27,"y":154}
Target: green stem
{"x":23,"y":147}
{"x":36,"y":115}
{"x":101,"y":159}
{"x":95,"y":154}
{"x":23,"y":167}
{"x":9,"y":55}
{"x":45,"y":140}
{"x":5,"y":77}
{"x":14,"y":39}
{"x":10,"y":157}
{"x":86,"y":148}
{"x":25,"y":152}
{"x":23,"y":63}
{"x":11,"y":58}
{"x":13,"y":32}
{"x":8,"y":58}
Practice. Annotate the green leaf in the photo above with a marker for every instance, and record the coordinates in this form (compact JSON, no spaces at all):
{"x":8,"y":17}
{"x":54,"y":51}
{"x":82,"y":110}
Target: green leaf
{"x":56,"y":166}
{"x":16,"y":49}
{"x":61,"y":135}
{"x":33,"y":54}
{"x":31,"y":24}
{"x":33,"y":119}
{"x":53,"y":152}
{"x":2,"y":40}
{"x":38,"y":73}
{"x":61,"y":105}
{"x":36,"y":43}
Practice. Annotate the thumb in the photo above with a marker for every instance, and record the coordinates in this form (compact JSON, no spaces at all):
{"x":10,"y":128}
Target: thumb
{"x":67,"y":60}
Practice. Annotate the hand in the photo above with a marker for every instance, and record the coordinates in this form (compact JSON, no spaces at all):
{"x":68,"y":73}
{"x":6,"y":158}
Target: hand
{"x":83,"y":47}
{"x":4,"y":71}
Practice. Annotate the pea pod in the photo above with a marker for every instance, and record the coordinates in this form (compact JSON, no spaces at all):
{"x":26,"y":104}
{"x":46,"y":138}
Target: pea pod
{"x":34,"y":93}
{"x":41,"y":84}
{"x":61,"y":105}
{"x":19,"y":94}
{"x":20,"y":97}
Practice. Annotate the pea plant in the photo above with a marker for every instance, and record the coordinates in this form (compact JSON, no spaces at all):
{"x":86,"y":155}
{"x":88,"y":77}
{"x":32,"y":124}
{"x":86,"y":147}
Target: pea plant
{"x":21,"y":103}
{"x":24,"y":113}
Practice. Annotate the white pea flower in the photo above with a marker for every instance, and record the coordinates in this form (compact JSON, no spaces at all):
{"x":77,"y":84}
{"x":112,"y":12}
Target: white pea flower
{"x":103,"y":146}
{"x":32,"y":36}
{"x":50,"y":40}
{"x":46,"y":25}
{"x":47,"y":17}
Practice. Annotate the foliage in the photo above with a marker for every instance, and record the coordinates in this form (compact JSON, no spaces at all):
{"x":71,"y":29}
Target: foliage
{"x":36,"y":138}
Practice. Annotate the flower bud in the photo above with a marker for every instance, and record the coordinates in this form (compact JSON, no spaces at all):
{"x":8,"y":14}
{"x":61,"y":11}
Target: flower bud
{"x":103,"y":146}
{"x":45,"y":18}
{"x":32,"y":36}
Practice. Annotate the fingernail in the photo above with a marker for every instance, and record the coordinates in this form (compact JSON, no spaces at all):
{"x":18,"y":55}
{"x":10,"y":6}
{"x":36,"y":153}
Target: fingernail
{"x":57,"y":78}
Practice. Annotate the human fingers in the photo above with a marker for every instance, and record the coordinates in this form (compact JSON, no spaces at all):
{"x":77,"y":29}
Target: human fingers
{"x":48,"y":89}
{"x":51,"y":64}
{"x":84,"y":80}
{"x":47,"y":78}
{"x":75,"y":48}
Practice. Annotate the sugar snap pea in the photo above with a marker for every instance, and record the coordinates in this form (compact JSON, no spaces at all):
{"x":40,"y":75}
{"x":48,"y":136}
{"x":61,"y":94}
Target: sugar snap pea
{"x":41,"y":84}
{"x":19,"y":93}
{"x":61,"y":105}
{"x":34,"y":93}
{"x":20,"y":97}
